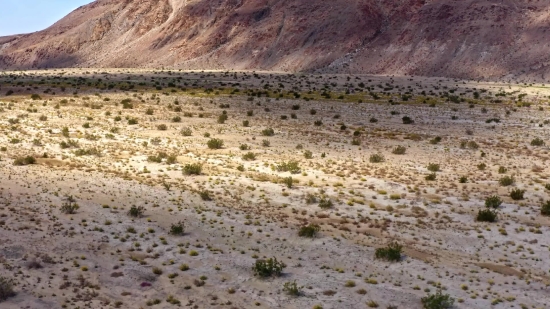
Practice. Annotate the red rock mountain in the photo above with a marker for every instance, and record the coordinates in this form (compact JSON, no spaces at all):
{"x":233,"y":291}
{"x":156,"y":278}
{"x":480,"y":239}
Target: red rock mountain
{"x":476,"y":39}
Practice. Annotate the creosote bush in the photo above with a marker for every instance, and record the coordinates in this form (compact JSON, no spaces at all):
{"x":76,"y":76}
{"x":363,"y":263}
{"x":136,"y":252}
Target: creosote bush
{"x":487,"y":215}
{"x":192,"y":169}
{"x":399,"y":150}
{"x":24,"y":161}
{"x":309,"y":230}
{"x":506,"y":181}
{"x":392,"y":252}
{"x":290,"y":166}
{"x":136,"y":211}
{"x":493,"y":202}
{"x":376,"y":158}
{"x":177,"y":228}
{"x":545,"y":209}
{"x":291,"y":288}
{"x":325,"y":203}
{"x":437,"y":301}
{"x":268,"y":268}
{"x":215,"y":143}
{"x":6,"y":288}
{"x":537,"y":142}
{"x":517,"y":194}
{"x":268,"y":132}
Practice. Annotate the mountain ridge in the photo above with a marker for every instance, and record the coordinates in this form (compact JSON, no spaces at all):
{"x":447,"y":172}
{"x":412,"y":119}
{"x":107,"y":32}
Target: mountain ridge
{"x":493,"y":39}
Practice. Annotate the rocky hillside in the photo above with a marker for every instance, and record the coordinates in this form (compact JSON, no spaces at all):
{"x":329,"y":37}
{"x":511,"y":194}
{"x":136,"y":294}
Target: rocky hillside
{"x":489,"y":39}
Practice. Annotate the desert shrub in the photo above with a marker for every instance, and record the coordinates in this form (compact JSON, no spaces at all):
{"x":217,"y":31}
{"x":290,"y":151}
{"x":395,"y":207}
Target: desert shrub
{"x":149,"y":111}
{"x":24,"y":161}
{"x":392,"y":252}
{"x":222,"y":118}
{"x":172,"y":159}
{"x":435,"y":140}
{"x":215,"y":143}
{"x":162,"y":127}
{"x":268,"y":132}
{"x":437,"y":301}
{"x":486,"y":215}
{"x":291,"y":288}
{"x":69,"y":205}
{"x":399,"y":150}
{"x":244,"y":147}
{"x":266,"y":143}
{"x":6,"y":288}
{"x":309,"y":230}
{"x":132,"y":121}
{"x":268,"y":268}
{"x":356,"y":142}
{"x":433,"y":167}
{"x":288,"y":181}
{"x":205,"y":195}
{"x":136,"y":211}
{"x":177,"y":228}
{"x":506,"y":181}
{"x":192,"y":169}
{"x":35,"y":96}
{"x":246,"y":123}
{"x":250,"y":156}
{"x":407,"y":120}
{"x":325,"y":203}
{"x":290,"y":166}
{"x":376,"y":158}
{"x":545,"y":209}
{"x":311,"y":199}
{"x":431,"y":177}
{"x":43,"y":118}
{"x":176,"y":119}
{"x":481,"y":166}
{"x":308,"y":154}
{"x":463,"y":179}
{"x":87,"y":152}
{"x":186,"y":132}
{"x":295,"y":107}
{"x":318,"y":123}
{"x":517,"y":194}
{"x":493,"y":201}
{"x":537,"y":142}
{"x":502,"y":170}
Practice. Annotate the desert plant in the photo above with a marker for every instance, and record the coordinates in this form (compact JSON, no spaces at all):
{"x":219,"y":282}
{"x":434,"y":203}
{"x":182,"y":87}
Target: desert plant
{"x":162,"y":127}
{"x":486,"y":215}
{"x":309,"y":230}
{"x":537,"y":142}
{"x":244,"y":147}
{"x":192,"y":169}
{"x":325,"y":203}
{"x":268,"y":132}
{"x":392,"y":252}
{"x":506,"y":181}
{"x":177,"y":228}
{"x":433,"y":167}
{"x":308,"y":154}
{"x":186,"y":132}
{"x":517,"y":194}
{"x":222,"y":118}
{"x":69,"y":205}
{"x":250,"y":156}
{"x":463,"y":179}
{"x":291,"y":288}
{"x":288,"y":181}
{"x":431,"y":177}
{"x":376,"y":158}
{"x":407,"y":120}
{"x":399,"y":150}
{"x":205,"y":195}
{"x":493,"y":202}
{"x":136,"y":211}
{"x":268,"y":268}
{"x":215,"y":143}
{"x":6,"y":288}
{"x":24,"y":161}
{"x":435,"y":140}
{"x":437,"y":301}
{"x":289,"y":166}
{"x":545,"y":209}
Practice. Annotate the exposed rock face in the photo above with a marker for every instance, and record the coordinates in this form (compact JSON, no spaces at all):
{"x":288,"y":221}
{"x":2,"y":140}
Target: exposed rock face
{"x":490,"y":39}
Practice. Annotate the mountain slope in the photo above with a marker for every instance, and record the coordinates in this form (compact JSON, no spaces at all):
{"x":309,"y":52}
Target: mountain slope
{"x":490,"y":39}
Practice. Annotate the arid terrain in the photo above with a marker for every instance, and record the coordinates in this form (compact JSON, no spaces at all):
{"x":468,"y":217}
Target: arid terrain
{"x":497,"y":40}
{"x":137,"y":188}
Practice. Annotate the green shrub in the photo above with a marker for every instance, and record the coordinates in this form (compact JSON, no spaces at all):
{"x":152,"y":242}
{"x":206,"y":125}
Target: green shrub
{"x":176,"y":119}
{"x":435,"y":140}
{"x":162,"y":127}
{"x":407,"y":120}
{"x":244,"y":147}
{"x":192,"y":169}
{"x":268,"y":132}
{"x":437,"y":301}
{"x":310,"y":230}
{"x":517,"y":194}
{"x":399,"y":150}
{"x":431,"y":177}
{"x":6,"y":288}
{"x":481,"y":166}
{"x":246,"y":123}
{"x":325,"y":203}
{"x":136,"y":211}
{"x":356,"y":142}
{"x":537,"y":142}
{"x":493,"y":202}
{"x":506,"y":181}
{"x":177,"y":228}
{"x":215,"y":143}
{"x":186,"y":132}
{"x":308,"y":154}
{"x":392,"y":252}
{"x":222,"y":118}
{"x":487,"y":215}
{"x":291,"y":166}
{"x":502,"y":170}
{"x":205,"y":195}
{"x":291,"y":288}
{"x":545,"y":209}
{"x":433,"y":167}
{"x":24,"y":161}
{"x":268,"y":268}
{"x":376,"y":158}
{"x":132,"y":121}
{"x":250,"y":156}
{"x":463,"y":179}
{"x":288,"y":181}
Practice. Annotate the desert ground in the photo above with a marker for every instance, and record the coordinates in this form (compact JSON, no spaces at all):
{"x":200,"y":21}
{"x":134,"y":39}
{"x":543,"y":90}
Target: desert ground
{"x":164,"y":188}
